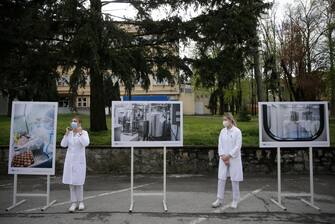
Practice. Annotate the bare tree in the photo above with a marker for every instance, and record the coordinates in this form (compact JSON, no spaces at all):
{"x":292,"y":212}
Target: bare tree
{"x":301,"y":54}
{"x":270,"y":55}
{"x":329,"y":14}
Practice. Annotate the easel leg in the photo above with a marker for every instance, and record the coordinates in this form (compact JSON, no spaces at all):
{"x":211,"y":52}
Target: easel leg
{"x":164,"y":180}
{"x":48,"y":204}
{"x":311,"y":181}
{"x":14,"y":196}
{"x":278,"y":203}
{"x":131,"y":179}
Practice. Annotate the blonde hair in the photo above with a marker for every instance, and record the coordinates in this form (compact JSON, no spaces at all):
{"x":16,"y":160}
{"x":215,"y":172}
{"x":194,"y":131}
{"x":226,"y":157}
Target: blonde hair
{"x":230,"y":117}
{"x":77,"y":118}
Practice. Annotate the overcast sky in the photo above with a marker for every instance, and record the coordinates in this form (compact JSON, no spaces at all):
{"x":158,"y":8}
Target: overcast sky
{"x":121,"y":10}
{"x":124,"y":10}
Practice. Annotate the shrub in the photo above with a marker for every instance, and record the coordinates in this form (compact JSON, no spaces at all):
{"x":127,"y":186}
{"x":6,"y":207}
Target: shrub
{"x":244,"y":115}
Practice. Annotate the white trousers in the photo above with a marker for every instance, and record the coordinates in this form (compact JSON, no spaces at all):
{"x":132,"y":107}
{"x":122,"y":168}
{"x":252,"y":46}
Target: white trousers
{"x":77,"y":193}
{"x":222,"y":186}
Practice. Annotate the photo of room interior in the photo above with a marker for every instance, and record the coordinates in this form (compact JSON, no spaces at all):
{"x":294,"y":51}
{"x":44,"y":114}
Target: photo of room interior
{"x":146,"y":122}
{"x":294,"y":121}
{"x":33,"y":131}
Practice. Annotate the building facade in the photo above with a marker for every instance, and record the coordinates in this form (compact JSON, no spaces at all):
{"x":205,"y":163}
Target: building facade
{"x":194,"y":104}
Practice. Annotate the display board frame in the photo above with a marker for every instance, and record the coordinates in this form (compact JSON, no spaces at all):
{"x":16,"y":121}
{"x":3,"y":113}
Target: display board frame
{"x":33,"y":170}
{"x":266,"y":141}
{"x":176,"y":116}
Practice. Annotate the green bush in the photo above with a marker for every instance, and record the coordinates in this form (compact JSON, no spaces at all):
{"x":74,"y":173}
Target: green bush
{"x":244,"y":115}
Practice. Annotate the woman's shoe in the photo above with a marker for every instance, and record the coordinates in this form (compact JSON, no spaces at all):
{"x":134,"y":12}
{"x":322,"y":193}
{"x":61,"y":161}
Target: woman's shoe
{"x":233,"y":204}
{"x":81,"y":206}
{"x":217,"y":203}
{"x":73,"y":207}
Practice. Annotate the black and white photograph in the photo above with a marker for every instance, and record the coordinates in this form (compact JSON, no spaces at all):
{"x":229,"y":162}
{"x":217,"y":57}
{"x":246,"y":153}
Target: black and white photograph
{"x":291,"y":123}
{"x":141,"y":123}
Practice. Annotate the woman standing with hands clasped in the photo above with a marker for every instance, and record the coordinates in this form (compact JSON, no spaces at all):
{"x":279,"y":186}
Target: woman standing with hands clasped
{"x":74,"y":173}
{"x":229,"y":149}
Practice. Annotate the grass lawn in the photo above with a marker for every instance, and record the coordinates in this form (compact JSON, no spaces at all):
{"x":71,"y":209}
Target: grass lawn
{"x":198,"y":130}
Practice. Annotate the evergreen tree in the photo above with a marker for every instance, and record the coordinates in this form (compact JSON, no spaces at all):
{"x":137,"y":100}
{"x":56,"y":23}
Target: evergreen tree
{"x":224,"y":33}
{"x":27,"y":50}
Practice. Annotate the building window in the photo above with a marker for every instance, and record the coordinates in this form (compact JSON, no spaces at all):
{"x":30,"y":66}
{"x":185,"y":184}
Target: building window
{"x":161,"y":82}
{"x":82,"y":102}
{"x":64,"y":80}
{"x":63,"y":102}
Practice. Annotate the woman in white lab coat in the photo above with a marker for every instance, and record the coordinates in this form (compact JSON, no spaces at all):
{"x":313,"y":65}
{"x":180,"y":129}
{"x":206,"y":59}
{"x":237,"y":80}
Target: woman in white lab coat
{"x":230,"y":165}
{"x":74,"y":173}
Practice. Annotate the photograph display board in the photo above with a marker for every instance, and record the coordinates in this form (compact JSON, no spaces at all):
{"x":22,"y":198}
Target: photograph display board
{"x":147,"y":123}
{"x":293,"y":124}
{"x":32,"y":148}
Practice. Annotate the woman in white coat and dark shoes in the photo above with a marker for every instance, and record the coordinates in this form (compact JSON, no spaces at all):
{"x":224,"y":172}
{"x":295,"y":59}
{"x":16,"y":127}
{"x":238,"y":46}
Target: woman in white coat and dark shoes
{"x":74,"y":173}
{"x":230,"y":165}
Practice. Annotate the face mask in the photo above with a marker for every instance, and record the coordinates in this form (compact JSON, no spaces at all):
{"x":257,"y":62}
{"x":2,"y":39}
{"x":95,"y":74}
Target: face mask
{"x":225,"y":123}
{"x":74,"y":124}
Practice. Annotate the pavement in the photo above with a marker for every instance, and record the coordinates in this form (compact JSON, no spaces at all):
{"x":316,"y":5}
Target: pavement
{"x":107,"y":200}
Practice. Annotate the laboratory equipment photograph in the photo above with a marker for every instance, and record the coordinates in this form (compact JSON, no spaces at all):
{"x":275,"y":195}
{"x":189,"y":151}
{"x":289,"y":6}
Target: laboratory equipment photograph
{"x":33,"y":138}
{"x":146,"y":123}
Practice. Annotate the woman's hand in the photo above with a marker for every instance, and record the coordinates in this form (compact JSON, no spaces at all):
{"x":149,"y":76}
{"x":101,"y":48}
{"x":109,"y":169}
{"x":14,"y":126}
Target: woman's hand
{"x":67,"y":130}
{"x":225,"y":159}
{"x":80,"y":130}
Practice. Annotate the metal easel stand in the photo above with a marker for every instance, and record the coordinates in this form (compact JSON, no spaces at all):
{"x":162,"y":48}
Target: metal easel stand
{"x":16,"y":194}
{"x":278,"y":202}
{"x":132,"y":193}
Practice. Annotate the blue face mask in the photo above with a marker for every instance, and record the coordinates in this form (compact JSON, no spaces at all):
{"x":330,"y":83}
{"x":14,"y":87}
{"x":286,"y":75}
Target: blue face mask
{"x":74,"y":125}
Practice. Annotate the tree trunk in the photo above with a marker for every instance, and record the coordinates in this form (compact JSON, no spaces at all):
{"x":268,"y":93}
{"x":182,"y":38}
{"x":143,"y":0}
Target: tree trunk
{"x":253,"y":101}
{"x":129,"y":94}
{"x":275,"y":70}
{"x":9,"y":105}
{"x":331,"y":70}
{"x":240,"y":96}
{"x":97,"y":101}
{"x":308,"y":49}
{"x":221,"y":102}
{"x":292,"y":91}
{"x":257,"y":72}
{"x":97,"y":106}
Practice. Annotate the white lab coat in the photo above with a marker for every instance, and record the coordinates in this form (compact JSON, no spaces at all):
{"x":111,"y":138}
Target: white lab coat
{"x":230,"y":142}
{"x":74,"y":171}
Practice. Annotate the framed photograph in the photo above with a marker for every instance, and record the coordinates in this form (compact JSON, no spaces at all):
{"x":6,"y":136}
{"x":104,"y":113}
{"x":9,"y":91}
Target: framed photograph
{"x":147,"y":123}
{"x":32,"y":148}
{"x":293,"y":124}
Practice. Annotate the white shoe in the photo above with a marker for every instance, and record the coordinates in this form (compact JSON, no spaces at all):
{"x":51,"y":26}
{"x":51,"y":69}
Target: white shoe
{"x":81,"y":206}
{"x":73,"y":207}
{"x":217,"y":203}
{"x":234,"y":204}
